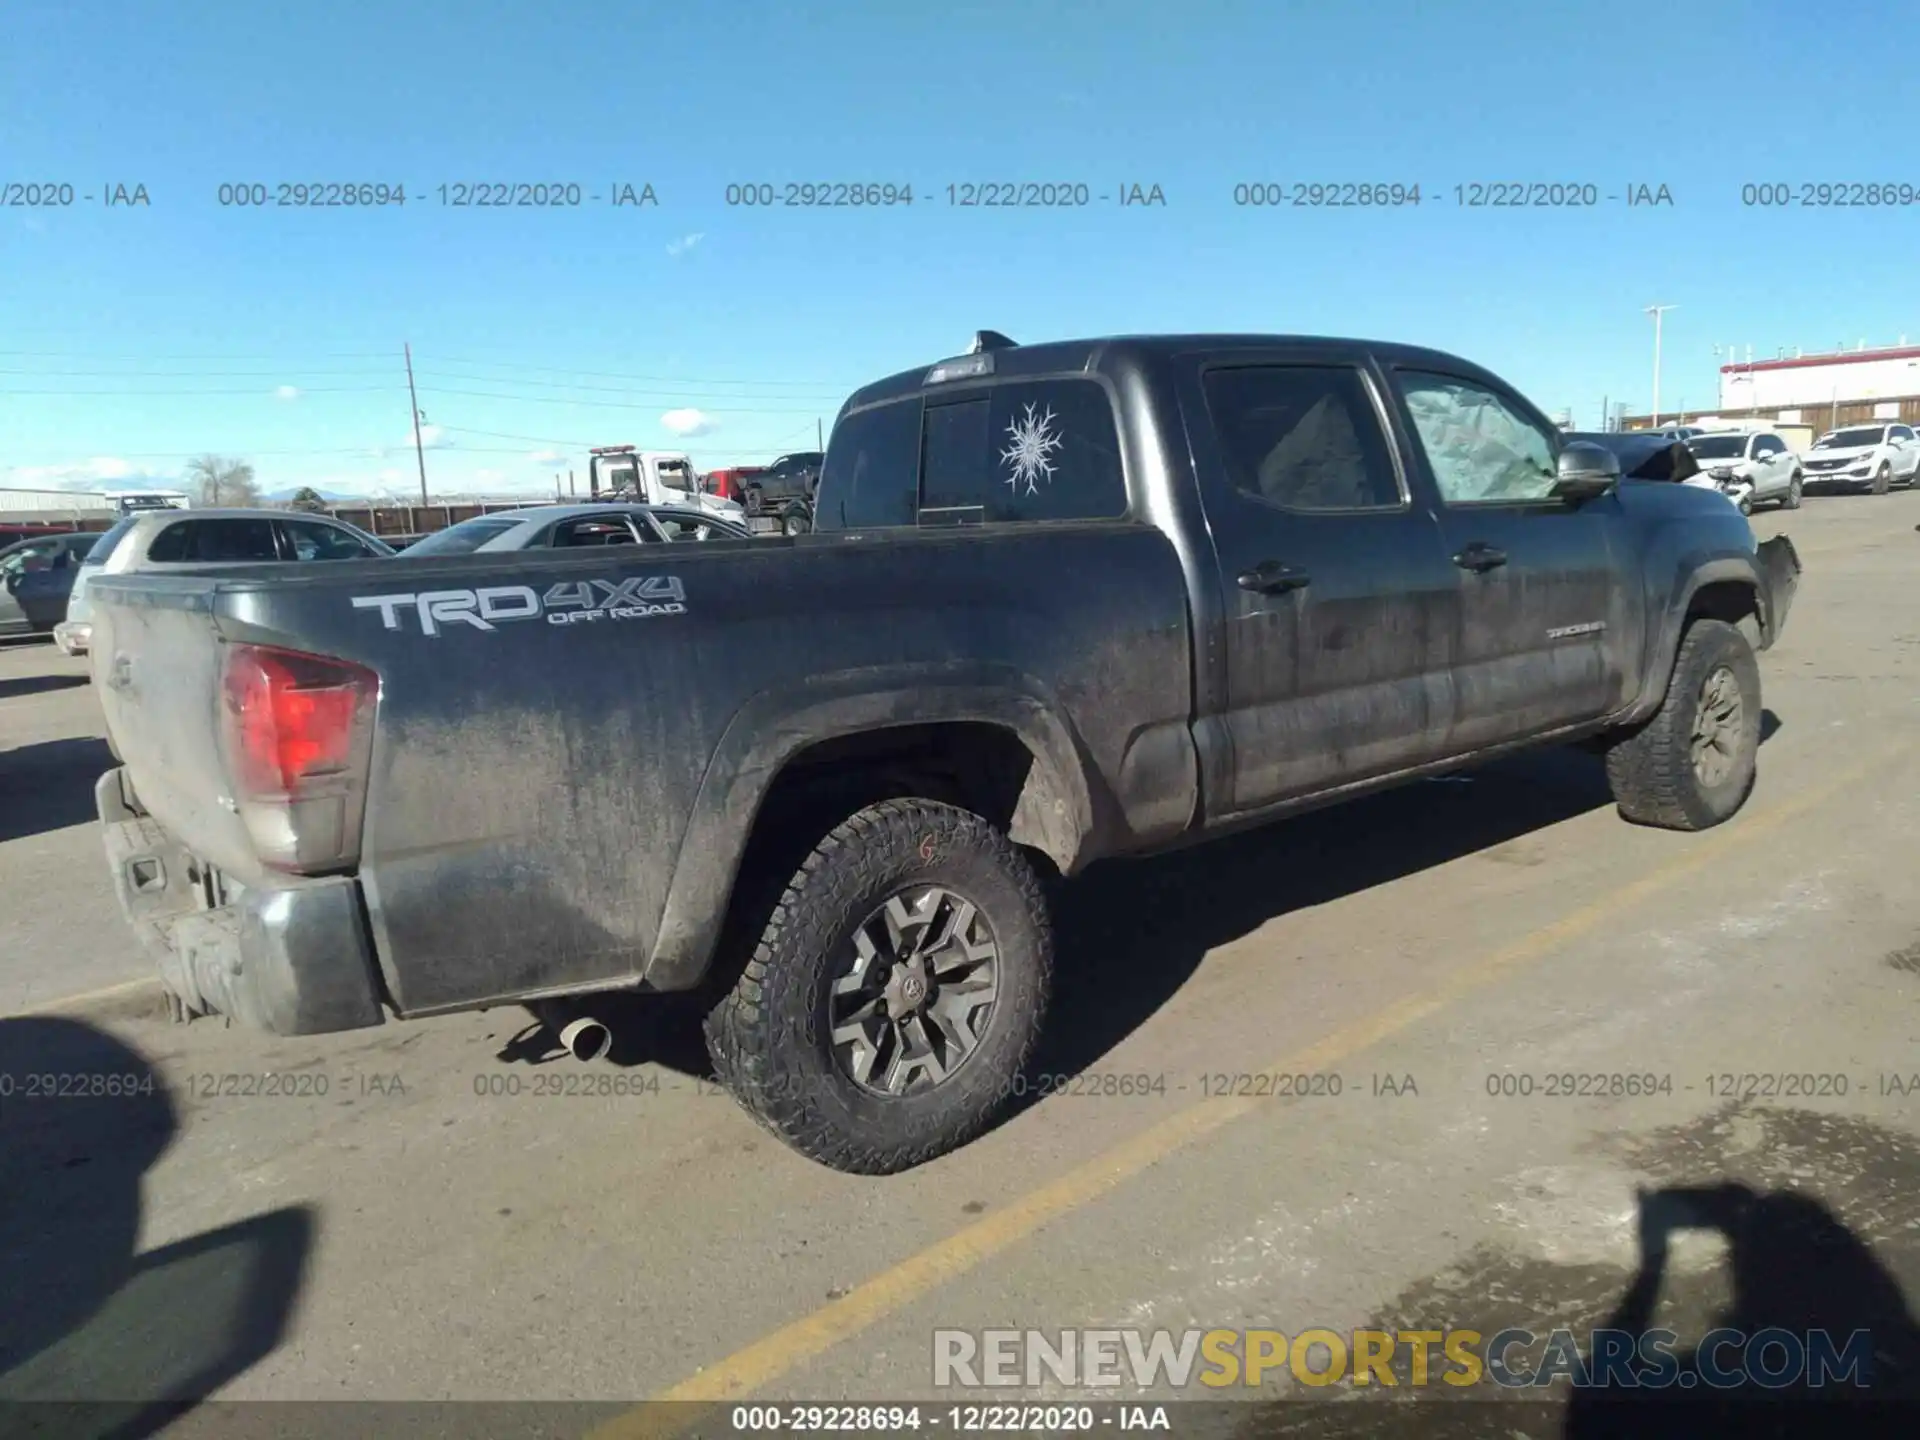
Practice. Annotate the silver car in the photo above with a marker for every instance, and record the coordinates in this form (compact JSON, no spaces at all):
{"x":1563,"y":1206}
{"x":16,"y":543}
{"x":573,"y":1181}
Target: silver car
{"x":162,"y":539}
{"x":540,"y":527}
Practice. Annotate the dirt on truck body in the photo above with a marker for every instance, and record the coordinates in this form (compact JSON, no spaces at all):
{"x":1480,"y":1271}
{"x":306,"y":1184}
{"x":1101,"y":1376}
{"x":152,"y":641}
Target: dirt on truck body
{"x":1062,"y":602}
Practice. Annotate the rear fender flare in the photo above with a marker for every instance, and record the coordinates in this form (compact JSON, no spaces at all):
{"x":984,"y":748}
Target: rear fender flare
{"x":1055,"y":811}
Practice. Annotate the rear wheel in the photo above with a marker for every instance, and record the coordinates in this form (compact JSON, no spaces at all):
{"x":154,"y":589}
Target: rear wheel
{"x":893,"y":1003}
{"x":798,"y":520}
{"x":1693,"y":764}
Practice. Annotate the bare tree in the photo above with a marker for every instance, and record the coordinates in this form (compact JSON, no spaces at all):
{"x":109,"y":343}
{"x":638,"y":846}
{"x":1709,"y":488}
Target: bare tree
{"x":217,"y":481}
{"x":308,"y":498}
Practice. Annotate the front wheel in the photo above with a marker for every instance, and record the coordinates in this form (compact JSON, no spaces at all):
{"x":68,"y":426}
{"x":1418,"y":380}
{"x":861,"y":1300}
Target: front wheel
{"x":893,"y":1003}
{"x":1745,"y":503}
{"x":1882,"y":478}
{"x":1794,"y":489}
{"x":1693,"y":764}
{"x":797,"y":521}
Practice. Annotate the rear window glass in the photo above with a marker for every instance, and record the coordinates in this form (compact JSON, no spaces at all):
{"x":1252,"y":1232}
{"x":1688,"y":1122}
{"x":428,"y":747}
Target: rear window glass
{"x":214,"y":542}
{"x":464,"y":538}
{"x":871,"y":474}
{"x":1027,"y":450}
{"x":104,"y":547}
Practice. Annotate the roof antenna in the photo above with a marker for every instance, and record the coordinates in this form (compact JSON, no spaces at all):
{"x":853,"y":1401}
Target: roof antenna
{"x":990,"y":340}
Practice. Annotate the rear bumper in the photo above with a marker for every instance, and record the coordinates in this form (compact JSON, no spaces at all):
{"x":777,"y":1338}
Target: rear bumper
{"x":293,"y":959}
{"x":1780,"y":570}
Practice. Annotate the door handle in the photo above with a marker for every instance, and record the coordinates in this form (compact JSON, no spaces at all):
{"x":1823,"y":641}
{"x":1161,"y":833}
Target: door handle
{"x":1270,"y":577}
{"x":1480,"y":558}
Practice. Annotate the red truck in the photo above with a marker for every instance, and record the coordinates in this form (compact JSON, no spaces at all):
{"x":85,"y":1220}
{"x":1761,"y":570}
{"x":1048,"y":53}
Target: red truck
{"x":730,"y":484}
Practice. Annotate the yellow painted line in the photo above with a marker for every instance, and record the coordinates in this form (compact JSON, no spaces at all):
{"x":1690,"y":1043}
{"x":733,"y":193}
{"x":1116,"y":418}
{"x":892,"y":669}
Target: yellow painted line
{"x":89,"y":997}
{"x":745,"y":1372}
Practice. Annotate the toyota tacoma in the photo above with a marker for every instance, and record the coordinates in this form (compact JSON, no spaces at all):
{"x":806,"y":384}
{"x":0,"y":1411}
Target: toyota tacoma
{"x":1063,"y":602}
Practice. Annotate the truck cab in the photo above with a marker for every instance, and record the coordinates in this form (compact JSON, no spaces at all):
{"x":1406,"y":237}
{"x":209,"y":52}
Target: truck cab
{"x":651,"y":477}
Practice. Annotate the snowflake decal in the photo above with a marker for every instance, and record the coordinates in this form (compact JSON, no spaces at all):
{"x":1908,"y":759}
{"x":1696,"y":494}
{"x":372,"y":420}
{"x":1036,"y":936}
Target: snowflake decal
{"x":1033,"y":442}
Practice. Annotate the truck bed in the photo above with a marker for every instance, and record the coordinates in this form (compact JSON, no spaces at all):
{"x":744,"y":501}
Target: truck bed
{"x":556,"y":801}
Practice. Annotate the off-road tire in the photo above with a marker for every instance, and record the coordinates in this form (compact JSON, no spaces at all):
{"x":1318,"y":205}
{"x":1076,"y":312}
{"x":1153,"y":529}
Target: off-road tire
{"x":1795,"y":488}
{"x":1650,"y":770}
{"x":1883,"y":479}
{"x":798,"y":520}
{"x":768,"y":1037}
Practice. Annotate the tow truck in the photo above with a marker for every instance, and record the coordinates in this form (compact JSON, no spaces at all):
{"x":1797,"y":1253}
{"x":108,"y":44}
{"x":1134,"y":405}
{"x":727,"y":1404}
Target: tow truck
{"x":652,"y":477}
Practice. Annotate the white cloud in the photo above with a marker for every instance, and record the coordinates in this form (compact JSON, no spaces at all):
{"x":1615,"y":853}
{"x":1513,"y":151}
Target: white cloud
{"x":685,"y":243}
{"x":687,"y":422}
{"x":287,"y":392}
{"x":547,"y":457}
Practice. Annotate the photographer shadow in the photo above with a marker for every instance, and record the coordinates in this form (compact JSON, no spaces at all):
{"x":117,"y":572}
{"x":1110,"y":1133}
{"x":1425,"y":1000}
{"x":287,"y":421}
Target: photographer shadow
{"x":98,"y":1339}
{"x":1795,"y":1267}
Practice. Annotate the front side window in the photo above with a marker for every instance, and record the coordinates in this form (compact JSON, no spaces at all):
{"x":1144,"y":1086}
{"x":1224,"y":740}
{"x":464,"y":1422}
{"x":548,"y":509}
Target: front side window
{"x":595,"y":530}
{"x":1482,"y":451}
{"x":313,"y":541}
{"x":1302,"y":437}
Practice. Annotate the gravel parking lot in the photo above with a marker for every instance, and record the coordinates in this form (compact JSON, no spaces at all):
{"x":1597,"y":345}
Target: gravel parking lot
{"x":429,"y":1211}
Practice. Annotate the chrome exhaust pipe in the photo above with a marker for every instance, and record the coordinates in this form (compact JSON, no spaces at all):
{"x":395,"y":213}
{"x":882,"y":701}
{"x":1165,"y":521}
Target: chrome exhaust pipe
{"x":586,"y":1038}
{"x":580,"y":1034}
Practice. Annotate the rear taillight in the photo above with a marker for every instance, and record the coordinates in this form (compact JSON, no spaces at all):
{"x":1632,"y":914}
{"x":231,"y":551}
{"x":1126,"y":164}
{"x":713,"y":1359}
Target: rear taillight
{"x":298,"y":733}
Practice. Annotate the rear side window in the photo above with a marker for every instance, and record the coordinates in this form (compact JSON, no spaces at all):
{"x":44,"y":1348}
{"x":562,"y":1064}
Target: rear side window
{"x":1037,"y":450}
{"x":1302,"y":437}
{"x":871,"y":475}
{"x":104,"y":547}
{"x":211,"y":542}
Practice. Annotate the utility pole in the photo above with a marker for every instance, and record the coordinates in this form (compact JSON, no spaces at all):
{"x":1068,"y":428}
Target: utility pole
{"x":819,"y":439}
{"x":420,"y":450}
{"x":1606,"y":415}
{"x":1658,"y":312}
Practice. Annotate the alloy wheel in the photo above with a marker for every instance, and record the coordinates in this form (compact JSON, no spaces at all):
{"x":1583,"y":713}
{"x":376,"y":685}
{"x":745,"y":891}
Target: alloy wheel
{"x":917,"y":993}
{"x":1717,"y":725}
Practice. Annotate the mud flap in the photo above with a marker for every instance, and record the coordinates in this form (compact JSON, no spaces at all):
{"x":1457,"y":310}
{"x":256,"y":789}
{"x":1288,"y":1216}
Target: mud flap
{"x":1780,"y":568}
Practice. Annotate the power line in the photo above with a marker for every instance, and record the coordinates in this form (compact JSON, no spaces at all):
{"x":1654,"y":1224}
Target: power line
{"x":620,"y":405}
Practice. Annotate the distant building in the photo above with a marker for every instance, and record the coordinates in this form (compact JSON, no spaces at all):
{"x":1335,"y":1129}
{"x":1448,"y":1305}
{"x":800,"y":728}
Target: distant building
{"x":1843,"y":387}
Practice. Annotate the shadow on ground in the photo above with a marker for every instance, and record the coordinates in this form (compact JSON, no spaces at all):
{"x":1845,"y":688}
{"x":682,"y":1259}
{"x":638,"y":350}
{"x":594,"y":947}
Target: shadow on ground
{"x":12,"y":685}
{"x":1132,"y":932}
{"x":87,"y":1317}
{"x":1810,"y":1223}
{"x":49,"y":786}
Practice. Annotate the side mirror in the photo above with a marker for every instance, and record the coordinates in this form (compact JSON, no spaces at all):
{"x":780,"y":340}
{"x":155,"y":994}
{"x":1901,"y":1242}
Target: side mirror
{"x":1585,"y":471}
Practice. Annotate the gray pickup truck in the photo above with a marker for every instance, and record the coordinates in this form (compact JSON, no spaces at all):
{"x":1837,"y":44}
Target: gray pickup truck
{"x":1064,"y":602}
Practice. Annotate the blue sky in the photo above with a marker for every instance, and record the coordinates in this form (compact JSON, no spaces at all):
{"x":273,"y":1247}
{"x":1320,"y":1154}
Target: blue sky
{"x":134,"y":338}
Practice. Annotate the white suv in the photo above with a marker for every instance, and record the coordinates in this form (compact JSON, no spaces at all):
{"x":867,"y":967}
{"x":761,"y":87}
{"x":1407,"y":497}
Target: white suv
{"x":1749,"y":467}
{"x":158,"y":539}
{"x":1865,"y":457}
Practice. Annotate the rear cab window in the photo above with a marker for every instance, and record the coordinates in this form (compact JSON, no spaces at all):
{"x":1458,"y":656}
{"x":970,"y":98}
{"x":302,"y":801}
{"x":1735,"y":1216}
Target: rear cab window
{"x":1020,"y":450}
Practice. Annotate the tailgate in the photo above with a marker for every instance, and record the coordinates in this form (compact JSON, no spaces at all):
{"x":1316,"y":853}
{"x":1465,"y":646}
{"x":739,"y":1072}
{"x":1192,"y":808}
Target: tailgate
{"x":157,"y":671}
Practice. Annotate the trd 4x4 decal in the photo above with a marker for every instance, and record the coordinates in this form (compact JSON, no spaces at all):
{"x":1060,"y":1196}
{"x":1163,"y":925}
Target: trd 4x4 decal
{"x":638,"y":597}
